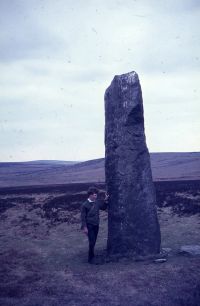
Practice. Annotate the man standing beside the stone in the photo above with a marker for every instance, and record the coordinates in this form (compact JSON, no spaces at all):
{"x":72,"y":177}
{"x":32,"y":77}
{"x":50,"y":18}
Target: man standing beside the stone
{"x":90,"y":218}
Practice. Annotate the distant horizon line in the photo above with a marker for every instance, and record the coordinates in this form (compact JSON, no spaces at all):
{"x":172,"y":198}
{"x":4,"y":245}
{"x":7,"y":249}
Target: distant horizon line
{"x":80,"y":161}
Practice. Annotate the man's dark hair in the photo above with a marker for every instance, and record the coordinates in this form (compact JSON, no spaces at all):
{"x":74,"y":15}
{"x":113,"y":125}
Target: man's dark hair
{"x":92,"y":190}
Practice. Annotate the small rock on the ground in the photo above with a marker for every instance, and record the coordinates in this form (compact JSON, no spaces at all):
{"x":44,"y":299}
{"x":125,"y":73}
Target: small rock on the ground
{"x":160,"y":260}
{"x":193,"y":250}
{"x":166,"y":250}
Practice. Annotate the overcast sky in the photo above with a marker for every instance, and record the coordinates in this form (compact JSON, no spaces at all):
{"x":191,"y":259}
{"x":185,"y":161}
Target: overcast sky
{"x":57,"y":57}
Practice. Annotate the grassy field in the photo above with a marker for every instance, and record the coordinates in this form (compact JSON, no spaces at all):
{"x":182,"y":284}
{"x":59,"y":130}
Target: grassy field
{"x":44,"y":254}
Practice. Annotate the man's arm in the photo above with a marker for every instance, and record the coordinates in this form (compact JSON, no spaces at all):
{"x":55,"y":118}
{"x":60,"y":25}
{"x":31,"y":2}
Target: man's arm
{"x":103,"y":204}
{"x":83,"y":219}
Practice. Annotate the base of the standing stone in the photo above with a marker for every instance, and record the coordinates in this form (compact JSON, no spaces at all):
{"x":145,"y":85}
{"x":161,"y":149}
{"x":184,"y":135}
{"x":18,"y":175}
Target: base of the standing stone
{"x":153,"y":248}
{"x":129,"y":257}
{"x":145,"y":241}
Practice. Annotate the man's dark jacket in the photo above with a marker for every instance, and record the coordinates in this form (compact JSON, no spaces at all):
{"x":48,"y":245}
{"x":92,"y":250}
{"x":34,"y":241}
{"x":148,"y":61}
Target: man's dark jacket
{"x":90,"y":212}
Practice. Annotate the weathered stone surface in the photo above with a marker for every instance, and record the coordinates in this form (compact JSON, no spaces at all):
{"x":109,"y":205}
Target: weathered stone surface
{"x":132,"y":217}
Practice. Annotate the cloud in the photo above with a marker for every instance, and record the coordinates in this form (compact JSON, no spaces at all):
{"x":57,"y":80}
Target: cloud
{"x":58,"y":57}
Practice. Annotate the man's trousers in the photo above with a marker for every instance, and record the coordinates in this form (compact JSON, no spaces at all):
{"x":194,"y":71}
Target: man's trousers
{"x":92,"y":237}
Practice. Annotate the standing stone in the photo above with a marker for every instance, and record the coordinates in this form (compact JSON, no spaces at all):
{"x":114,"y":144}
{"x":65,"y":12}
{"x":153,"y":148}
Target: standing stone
{"x":132,"y":217}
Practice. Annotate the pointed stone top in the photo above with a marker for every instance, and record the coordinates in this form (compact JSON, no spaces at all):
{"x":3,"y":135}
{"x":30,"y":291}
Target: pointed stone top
{"x":130,"y":77}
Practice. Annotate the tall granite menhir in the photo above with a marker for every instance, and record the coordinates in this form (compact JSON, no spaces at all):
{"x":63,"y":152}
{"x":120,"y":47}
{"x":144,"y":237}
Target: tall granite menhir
{"x":132,"y":218}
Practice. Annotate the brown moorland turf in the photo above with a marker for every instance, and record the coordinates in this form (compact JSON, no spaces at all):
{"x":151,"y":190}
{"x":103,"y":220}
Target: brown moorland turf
{"x":43,"y":252}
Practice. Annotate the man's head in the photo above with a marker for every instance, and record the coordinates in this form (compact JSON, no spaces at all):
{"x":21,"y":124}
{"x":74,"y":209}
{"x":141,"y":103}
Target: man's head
{"x":92,"y":193}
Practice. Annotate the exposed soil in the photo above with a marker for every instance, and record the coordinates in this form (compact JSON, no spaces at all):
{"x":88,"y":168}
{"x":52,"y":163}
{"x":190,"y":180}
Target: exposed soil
{"x":44,"y":254}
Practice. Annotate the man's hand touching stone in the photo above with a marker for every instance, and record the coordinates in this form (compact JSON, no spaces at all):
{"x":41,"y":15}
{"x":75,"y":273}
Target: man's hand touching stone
{"x":106,"y":197}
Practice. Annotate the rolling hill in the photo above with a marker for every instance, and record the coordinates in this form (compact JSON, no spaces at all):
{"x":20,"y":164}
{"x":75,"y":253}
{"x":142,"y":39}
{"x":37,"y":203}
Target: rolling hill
{"x":165,"y":167}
